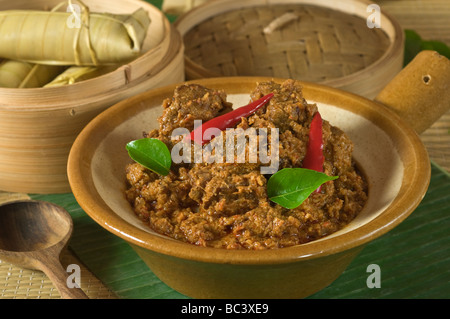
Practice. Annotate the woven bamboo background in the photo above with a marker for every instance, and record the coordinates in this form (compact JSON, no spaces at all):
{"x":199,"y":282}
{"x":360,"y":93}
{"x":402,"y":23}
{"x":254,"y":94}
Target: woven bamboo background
{"x":429,"y":18}
{"x":317,"y":44}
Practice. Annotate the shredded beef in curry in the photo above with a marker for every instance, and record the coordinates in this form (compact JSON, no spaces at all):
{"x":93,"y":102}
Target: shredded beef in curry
{"x":225,"y":205}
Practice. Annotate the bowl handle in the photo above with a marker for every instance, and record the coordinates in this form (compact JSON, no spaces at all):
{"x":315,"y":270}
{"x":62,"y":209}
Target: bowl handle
{"x":420,"y":93}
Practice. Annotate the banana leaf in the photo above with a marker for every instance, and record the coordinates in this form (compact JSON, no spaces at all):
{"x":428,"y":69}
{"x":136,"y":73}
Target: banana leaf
{"x":18,"y":74}
{"x":75,"y":74}
{"x":68,"y":38}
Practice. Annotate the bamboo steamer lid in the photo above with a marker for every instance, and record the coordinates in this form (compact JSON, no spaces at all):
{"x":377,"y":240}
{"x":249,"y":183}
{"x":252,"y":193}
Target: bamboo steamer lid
{"x":39,"y":125}
{"x":327,"y":42}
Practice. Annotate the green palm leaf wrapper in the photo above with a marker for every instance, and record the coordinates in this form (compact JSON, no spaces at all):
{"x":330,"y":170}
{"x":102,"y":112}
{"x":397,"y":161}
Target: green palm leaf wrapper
{"x":98,"y":39}
{"x":55,"y":48}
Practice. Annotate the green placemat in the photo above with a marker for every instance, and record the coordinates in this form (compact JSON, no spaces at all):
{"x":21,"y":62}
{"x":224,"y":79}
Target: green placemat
{"x":414,"y":258}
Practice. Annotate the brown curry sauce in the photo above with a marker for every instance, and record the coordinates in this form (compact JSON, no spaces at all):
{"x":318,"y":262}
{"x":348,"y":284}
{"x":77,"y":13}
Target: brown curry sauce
{"x":225,"y":205}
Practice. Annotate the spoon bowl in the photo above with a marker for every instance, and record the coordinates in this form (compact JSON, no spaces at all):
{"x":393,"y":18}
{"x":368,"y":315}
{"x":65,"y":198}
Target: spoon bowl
{"x":33,"y":235}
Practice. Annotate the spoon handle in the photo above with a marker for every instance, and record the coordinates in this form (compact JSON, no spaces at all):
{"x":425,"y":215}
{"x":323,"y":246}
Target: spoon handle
{"x":52,"y":267}
{"x":58,"y":276}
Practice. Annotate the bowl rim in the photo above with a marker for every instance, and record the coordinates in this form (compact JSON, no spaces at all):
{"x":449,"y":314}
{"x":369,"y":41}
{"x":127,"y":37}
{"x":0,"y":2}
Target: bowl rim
{"x":416,"y":179}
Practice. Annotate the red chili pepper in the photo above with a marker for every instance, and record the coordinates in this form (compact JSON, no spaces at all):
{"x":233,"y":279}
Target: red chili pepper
{"x":227,"y":120}
{"x":314,"y":158}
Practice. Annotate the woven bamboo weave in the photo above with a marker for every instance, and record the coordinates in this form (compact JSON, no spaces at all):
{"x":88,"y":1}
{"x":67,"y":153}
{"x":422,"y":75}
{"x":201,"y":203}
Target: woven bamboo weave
{"x":19,"y":283}
{"x":317,"y":45}
{"x":430,"y":19}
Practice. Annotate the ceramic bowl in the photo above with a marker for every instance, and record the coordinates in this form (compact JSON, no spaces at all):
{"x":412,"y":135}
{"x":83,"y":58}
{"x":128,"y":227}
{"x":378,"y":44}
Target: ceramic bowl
{"x":388,"y":151}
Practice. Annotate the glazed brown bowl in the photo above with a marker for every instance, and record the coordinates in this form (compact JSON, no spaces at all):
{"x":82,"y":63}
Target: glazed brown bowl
{"x":388,"y":150}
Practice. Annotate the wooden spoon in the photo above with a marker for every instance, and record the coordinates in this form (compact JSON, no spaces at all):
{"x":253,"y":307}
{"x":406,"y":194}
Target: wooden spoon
{"x":32,"y":235}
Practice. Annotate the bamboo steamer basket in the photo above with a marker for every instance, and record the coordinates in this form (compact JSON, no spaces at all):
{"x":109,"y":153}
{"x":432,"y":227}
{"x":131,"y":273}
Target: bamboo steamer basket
{"x":327,"y":42}
{"x":39,"y":125}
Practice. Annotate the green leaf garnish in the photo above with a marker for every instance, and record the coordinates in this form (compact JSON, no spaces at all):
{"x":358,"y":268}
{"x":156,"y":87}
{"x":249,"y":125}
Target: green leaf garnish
{"x":289,"y":187}
{"x":151,"y":153}
{"x":414,"y":44}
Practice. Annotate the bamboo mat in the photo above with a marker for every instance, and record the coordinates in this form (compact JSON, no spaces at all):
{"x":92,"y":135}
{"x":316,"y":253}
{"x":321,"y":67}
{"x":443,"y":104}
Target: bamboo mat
{"x":18,"y":283}
{"x":429,"y":18}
